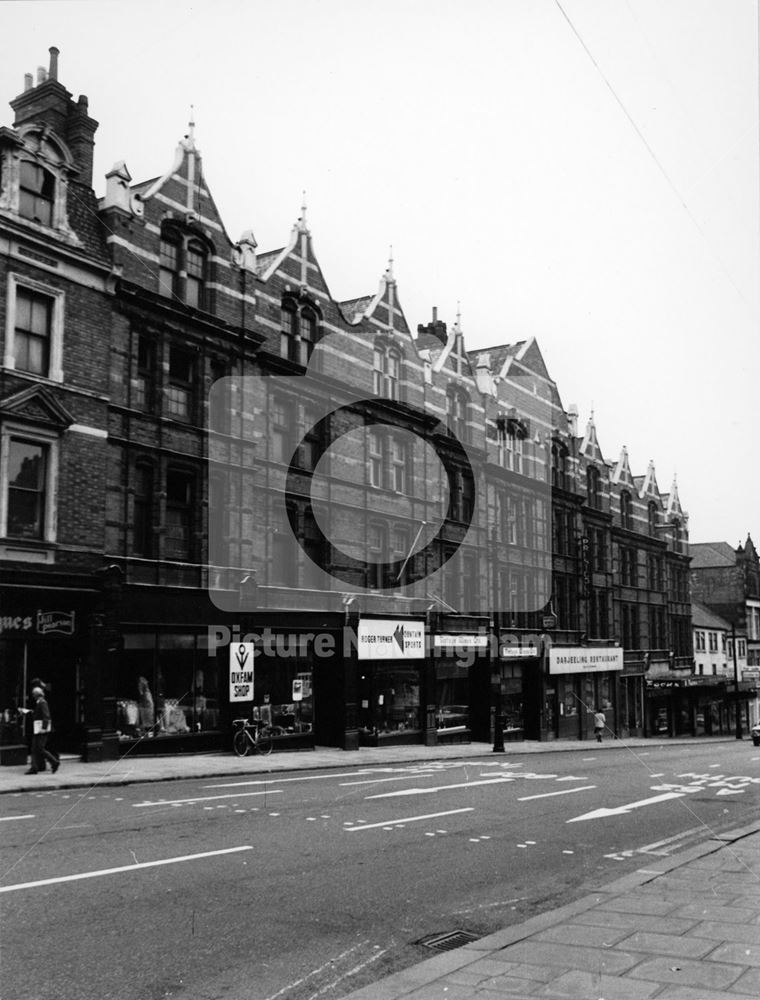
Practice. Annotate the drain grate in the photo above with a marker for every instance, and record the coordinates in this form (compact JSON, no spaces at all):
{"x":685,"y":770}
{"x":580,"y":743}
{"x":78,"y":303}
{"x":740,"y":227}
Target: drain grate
{"x":448,"y":941}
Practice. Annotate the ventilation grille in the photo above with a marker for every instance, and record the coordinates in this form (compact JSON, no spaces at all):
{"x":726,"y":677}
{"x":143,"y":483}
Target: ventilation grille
{"x":448,"y":941}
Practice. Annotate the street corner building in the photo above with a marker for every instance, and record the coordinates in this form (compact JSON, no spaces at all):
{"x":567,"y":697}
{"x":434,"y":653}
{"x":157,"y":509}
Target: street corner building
{"x":225,"y":493}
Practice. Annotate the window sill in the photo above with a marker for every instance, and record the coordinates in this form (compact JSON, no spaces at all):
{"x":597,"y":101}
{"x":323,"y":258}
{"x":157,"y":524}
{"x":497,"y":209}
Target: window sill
{"x":27,"y":551}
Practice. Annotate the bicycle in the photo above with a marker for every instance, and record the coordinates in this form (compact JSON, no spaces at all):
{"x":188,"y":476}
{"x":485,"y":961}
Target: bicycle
{"x":249,"y":735}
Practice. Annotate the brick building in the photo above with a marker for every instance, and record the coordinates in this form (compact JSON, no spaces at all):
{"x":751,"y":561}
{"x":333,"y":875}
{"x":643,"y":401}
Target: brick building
{"x":202,"y":447}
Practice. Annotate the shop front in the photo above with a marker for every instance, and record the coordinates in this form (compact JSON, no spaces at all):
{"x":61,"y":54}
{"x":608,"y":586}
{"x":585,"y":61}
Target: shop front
{"x":517,"y":693}
{"x":632,"y":695}
{"x":47,"y":634}
{"x":582,"y":680}
{"x":392,"y":686}
{"x":462,"y":677}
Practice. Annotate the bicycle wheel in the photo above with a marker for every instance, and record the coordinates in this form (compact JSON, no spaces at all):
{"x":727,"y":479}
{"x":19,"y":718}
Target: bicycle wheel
{"x":240,"y":742}
{"x":264,"y":742}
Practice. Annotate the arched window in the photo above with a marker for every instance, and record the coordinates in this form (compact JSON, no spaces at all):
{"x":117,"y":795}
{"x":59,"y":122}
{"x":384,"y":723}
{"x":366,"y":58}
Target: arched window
{"x":626,"y":511}
{"x":36,"y":193}
{"x":593,"y":487}
{"x":299,"y":326}
{"x":195,"y":264}
{"x":387,"y":371}
{"x":457,"y":401}
{"x":183,"y":268}
{"x":559,"y":465}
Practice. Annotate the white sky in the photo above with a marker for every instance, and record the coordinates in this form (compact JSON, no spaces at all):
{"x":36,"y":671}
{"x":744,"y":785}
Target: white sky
{"x":480,"y":140}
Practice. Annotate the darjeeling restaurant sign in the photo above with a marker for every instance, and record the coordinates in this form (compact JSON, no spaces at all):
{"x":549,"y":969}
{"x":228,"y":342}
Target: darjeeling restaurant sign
{"x":390,"y":639}
{"x":582,"y":660}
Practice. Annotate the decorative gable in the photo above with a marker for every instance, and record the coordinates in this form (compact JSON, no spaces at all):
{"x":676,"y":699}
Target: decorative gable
{"x":622,"y":475}
{"x":36,"y":405}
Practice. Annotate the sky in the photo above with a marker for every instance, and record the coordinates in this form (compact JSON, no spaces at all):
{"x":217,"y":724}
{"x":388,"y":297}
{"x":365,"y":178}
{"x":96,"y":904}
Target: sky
{"x":585,"y":172}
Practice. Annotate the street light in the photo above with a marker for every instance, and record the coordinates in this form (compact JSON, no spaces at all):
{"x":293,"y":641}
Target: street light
{"x":736,"y":684}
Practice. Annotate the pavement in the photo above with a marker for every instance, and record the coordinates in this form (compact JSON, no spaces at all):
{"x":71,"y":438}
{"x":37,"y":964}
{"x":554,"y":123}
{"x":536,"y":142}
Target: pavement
{"x":686,"y":927}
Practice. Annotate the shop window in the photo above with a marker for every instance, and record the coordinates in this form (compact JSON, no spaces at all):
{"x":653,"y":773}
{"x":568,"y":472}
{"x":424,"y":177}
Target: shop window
{"x":386,"y":372}
{"x":165,"y":686}
{"x":452,"y":695}
{"x":389,"y":698}
{"x":142,"y":544}
{"x":180,"y":502}
{"x":180,"y":391}
{"x":27,"y":489}
{"x":36,"y":193}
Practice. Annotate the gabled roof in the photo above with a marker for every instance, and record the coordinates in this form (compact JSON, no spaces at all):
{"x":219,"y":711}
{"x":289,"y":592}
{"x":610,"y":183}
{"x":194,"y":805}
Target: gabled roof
{"x":703,"y":617}
{"x":704,"y":554}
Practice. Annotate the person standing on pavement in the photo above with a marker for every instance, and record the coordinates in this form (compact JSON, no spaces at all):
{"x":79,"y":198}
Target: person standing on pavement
{"x":42,"y":725}
{"x":600,"y":721}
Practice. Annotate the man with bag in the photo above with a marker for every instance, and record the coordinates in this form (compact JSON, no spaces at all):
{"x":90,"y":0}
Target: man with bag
{"x":42,"y":726}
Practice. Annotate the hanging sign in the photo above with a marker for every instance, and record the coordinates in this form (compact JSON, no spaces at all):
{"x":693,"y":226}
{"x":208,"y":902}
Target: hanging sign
{"x":241,"y":671}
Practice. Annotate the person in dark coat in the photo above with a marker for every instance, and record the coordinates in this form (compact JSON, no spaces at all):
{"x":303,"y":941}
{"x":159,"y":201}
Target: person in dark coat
{"x":42,"y":726}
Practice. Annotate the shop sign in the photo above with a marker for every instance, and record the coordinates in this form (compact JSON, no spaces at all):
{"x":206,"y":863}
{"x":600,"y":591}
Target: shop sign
{"x":582,"y":660}
{"x":390,"y":639}
{"x":513,"y":652}
{"x":55,"y":621}
{"x":751,"y":675}
{"x":44,"y":622}
{"x":460,"y":642}
{"x":241,"y":671}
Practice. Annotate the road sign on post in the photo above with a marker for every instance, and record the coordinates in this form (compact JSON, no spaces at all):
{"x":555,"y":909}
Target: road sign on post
{"x":241,"y":671}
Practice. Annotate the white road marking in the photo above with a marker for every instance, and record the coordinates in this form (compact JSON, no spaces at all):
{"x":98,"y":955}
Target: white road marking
{"x":7,"y":819}
{"x":123,"y":868}
{"x":379,"y":781}
{"x":622,"y":810}
{"x":314,"y":972}
{"x":204,"y":798}
{"x":654,"y":848}
{"x":572,"y":777}
{"x":389,"y":824}
{"x":351,"y":972}
{"x":565,"y":791}
{"x":439,"y":788}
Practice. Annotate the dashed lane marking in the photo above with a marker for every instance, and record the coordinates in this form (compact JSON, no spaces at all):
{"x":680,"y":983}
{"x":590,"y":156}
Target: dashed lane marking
{"x":389,"y":824}
{"x":438,"y":788}
{"x":204,"y":798}
{"x":7,"y":819}
{"x":565,"y":791}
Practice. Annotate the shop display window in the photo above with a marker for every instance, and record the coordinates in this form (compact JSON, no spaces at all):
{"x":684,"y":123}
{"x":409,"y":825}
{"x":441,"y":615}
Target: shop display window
{"x":273,"y":688}
{"x":167,"y":686}
{"x":512,"y":697}
{"x":390,"y":698}
{"x":452,"y":695}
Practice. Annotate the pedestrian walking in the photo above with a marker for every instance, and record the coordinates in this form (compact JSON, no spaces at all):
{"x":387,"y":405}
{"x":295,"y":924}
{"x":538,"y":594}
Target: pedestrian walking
{"x":42,"y":726}
{"x":600,"y":721}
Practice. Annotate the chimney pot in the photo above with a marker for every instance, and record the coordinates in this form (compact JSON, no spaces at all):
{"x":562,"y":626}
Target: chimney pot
{"x":54,"y":52}
{"x":83,"y":103}
{"x":28,"y":81}
{"x":435,"y":314}
{"x":41,"y":74}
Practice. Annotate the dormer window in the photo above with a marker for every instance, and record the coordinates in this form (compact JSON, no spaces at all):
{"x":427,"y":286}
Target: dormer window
{"x":593,"y":485}
{"x":560,"y":465}
{"x":36,"y":193}
{"x":298,"y":331}
{"x":183,"y":266}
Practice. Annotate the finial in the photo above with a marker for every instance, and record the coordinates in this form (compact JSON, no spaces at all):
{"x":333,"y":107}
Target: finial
{"x":302,"y":218}
{"x":459,"y":315}
{"x":389,"y":271}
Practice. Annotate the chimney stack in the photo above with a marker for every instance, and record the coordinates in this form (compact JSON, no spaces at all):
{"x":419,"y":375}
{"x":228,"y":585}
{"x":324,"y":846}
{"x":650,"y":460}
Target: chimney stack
{"x":53,"y":72}
{"x":435,"y":330}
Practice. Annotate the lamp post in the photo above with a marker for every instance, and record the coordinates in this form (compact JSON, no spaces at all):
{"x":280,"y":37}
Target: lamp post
{"x":736,"y":684}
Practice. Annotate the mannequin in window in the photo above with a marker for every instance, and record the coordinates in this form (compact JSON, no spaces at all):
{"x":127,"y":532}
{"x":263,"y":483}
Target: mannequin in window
{"x":145,"y":708}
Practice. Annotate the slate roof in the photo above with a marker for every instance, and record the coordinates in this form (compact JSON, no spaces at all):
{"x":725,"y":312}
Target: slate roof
{"x":705,"y":554}
{"x":703,"y":617}
{"x":353,"y":307}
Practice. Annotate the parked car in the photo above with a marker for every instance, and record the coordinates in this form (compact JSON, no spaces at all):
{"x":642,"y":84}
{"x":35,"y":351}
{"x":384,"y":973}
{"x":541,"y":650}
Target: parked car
{"x":755,"y":734}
